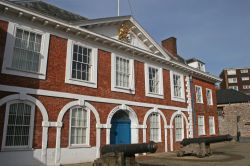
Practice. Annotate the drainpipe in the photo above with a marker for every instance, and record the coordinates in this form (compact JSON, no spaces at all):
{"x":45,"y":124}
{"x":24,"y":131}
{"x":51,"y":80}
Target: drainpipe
{"x":192,"y":104}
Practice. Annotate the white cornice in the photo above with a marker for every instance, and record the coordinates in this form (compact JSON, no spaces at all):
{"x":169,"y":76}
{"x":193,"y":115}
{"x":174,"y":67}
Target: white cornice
{"x":59,"y":25}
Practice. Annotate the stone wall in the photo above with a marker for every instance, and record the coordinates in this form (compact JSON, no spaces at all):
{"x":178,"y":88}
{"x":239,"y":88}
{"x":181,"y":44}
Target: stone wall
{"x":228,"y":120}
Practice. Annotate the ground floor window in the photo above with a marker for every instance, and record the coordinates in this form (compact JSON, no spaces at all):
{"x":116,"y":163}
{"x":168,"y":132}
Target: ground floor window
{"x":179,"y":128}
{"x":79,"y":126}
{"x":211,"y":125}
{"x":201,"y":125}
{"x":155,"y":127}
{"x":18,"y":125}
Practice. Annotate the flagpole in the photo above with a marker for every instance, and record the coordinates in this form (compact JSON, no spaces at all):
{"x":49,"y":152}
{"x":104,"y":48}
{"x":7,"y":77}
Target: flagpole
{"x":118,"y":7}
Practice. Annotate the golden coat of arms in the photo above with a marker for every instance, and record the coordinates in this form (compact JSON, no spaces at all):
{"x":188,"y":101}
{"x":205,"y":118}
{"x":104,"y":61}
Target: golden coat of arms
{"x":124,"y":33}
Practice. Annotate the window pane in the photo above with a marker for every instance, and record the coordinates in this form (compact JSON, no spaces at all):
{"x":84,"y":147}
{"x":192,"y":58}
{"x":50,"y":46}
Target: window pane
{"x":81,"y":66}
{"x":122,"y":72}
{"x":18,"y":126}
{"x":26,"y":54}
{"x":78,"y":126}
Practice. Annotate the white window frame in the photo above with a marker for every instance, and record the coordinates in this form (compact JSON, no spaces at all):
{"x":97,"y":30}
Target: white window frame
{"x":182,"y":130}
{"x":244,"y":71}
{"x":31,"y":130}
{"x":173,"y":97}
{"x":114,"y":87}
{"x":196,"y":86}
{"x":211,"y":96}
{"x":159,"y":129}
{"x":94,"y":58}
{"x":232,"y":80}
{"x":9,"y":48}
{"x":231,"y":72}
{"x":203,"y":126}
{"x":245,"y":78}
{"x":87,"y":130}
{"x":211,"y":128}
{"x":246,"y":86}
{"x":234,"y":87}
{"x":160,"y":90}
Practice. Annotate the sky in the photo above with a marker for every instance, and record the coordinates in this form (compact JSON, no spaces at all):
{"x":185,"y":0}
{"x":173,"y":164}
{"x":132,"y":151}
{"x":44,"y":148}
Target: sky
{"x":214,"y":31}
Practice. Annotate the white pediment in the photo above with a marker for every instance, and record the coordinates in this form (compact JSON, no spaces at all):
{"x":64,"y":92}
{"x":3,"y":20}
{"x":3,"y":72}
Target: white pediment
{"x":127,"y":30}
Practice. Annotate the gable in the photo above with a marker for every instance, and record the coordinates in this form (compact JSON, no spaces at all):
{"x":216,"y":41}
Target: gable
{"x":127,"y":30}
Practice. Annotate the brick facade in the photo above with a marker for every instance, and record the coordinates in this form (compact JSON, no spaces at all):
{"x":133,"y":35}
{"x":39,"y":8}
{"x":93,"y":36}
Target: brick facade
{"x":55,"y":82}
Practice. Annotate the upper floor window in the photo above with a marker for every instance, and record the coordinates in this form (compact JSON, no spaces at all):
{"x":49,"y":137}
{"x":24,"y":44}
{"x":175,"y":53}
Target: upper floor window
{"x":211,"y":125}
{"x":198,"y":92}
{"x":155,"y":127}
{"x":81,"y":64}
{"x":18,"y":125}
{"x":79,"y":126}
{"x":232,"y":80}
{"x":179,"y":128}
{"x":201,"y":125}
{"x":244,"y":78}
{"x":209,"y":97}
{"x":233,"y":87}
{"x":122,"y":74}
{"x":153,"y":81}
{"x":177,"y":87}
{"x":26,"y":52}
{"x":231,"y":72}
{"x":244,"y":71}
{"x":246,"y":86}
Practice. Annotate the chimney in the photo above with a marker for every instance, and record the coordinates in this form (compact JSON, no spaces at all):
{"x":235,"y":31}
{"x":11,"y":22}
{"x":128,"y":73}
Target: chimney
{"x":170,"y":45}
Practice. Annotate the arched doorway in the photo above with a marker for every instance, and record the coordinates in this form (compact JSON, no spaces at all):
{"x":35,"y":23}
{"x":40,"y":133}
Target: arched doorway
{"x":120,"y":132}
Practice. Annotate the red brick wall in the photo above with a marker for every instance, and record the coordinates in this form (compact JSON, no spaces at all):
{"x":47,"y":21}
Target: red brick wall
{"x":204,"y":109}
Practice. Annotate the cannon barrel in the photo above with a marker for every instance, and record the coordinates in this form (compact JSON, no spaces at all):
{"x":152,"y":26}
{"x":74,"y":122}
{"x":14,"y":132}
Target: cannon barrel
{"x":130,"y":149}
{"x":207,"y":140}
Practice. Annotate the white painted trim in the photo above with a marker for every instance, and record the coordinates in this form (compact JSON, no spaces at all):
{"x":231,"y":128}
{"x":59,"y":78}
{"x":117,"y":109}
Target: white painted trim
{"x":176,"y":98}
{"x":115,"y":88}
{"x":146,"y":74}
{"x":23,"y":96}
{"x":197,"y":86}
{"x":66,"y":108}
{"x":94,"y":58}
{"x":42,"y":92}
{"x":31,"y":131}
{"x":134,"y":122}
{"x":213,"y":133}
{"x":8,"y":53}
{"x":171,"y":127}
{"x":156,"y":110}
{"x":204,"y":125}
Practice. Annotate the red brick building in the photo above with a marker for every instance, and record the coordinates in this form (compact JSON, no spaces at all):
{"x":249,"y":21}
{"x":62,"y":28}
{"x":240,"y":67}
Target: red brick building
{"x":69,"y":85}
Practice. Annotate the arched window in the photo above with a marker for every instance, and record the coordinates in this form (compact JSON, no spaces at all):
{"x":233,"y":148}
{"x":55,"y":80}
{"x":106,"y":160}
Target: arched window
{"x":18,"y":125}
{"x":155,"y":127}
{"x":79,"y":126}
{"x":179,"y":128}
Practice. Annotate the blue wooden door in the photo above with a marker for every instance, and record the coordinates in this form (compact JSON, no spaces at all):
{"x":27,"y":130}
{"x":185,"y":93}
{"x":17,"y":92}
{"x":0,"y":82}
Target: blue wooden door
{"x":120,"y":132}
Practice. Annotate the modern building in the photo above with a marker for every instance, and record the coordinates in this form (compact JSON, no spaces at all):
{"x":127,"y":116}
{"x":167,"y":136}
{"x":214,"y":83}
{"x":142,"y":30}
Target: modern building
{"x":234,"y":113}
{"x":237,"y":79}
{"x":69,"y":85}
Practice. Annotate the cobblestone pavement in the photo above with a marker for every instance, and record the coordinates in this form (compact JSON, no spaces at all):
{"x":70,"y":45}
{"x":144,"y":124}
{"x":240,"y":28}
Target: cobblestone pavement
{"x":224,"y":154}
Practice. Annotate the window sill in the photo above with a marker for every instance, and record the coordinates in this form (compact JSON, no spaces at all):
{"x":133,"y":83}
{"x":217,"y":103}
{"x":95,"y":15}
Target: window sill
{"x":155,"y":95}
{"x":123,"y":90}
{"x":23,"y":73}
{"x":72,"y":81}
{"x":79,"y":146}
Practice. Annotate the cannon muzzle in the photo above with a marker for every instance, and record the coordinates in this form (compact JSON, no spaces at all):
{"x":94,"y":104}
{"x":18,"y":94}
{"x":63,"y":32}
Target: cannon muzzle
{"x":130,"y":149}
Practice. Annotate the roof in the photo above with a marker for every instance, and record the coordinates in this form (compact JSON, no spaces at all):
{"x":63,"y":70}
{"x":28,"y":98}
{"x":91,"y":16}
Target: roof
{"x":194,"y":60}
{"x":48,"y":10}
{"x":227,"y":96}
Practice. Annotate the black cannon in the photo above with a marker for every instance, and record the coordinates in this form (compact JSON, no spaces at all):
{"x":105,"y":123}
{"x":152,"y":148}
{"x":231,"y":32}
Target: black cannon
{"x":200,"y":146}
{"x":123,"y":154}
